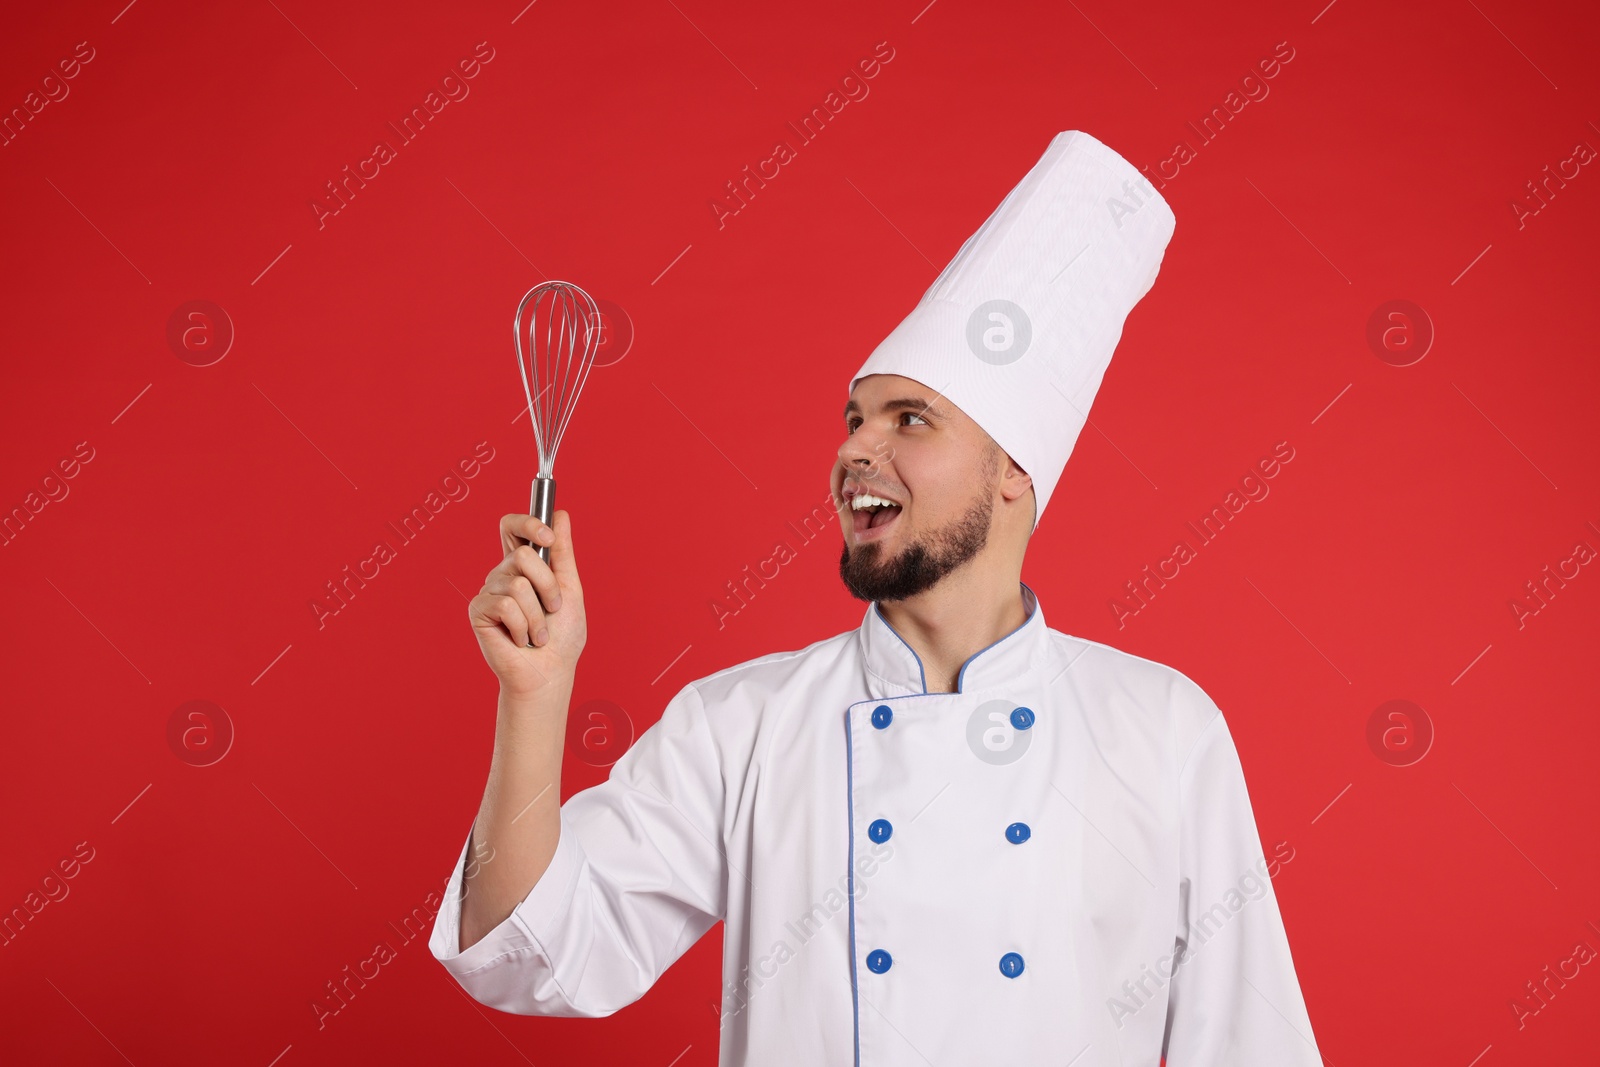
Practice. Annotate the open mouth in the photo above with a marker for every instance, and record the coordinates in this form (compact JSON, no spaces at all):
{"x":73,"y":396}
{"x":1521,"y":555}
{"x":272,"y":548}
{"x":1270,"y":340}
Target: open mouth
{"x":871,"y":516}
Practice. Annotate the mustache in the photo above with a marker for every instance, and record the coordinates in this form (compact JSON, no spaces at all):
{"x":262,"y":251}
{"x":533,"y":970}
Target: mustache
{"x":874,"y":485}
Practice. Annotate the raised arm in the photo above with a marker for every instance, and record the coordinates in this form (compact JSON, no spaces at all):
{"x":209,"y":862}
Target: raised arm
{"x":576,"y":910}
{"x":530,"y":623}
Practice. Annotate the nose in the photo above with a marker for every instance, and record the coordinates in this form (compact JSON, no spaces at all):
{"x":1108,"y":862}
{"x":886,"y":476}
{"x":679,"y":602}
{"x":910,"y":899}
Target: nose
{"x":863,"y":450}
{"x":857,"y":463}
{"x":861,"y":457}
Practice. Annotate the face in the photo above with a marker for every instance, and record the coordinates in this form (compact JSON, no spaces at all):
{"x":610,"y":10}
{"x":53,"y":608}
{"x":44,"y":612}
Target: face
{"x":927,"y":474}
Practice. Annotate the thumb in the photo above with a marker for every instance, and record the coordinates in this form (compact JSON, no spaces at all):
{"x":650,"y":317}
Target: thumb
{"x":562,"y":560}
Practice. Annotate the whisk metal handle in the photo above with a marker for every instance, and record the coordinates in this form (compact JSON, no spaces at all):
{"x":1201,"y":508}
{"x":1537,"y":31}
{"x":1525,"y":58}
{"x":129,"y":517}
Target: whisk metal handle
{"x":543,"y":506}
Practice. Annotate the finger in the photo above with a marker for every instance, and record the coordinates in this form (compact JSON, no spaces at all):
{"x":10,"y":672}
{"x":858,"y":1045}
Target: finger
{"x":520,"y":589}
{"x":503,"y":611}
{"x":528,"y":565}
{"x":522,"y":529}
{"x":563,"y":561}
{"x":508,"y":538}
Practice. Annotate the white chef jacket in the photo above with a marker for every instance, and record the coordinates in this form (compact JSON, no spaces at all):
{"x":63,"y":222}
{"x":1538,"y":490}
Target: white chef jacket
{"x":1056,"y":864}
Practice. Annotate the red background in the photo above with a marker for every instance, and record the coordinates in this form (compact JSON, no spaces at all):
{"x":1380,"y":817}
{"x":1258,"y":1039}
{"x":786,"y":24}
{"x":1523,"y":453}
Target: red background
{"x":373,"y":353}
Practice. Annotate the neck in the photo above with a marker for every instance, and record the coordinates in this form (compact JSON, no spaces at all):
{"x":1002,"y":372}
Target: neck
{"x":961,"y":616}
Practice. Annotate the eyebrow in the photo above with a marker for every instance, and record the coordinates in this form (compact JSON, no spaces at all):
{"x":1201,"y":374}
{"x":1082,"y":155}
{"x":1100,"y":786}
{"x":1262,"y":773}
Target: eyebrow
{"x":904,"y":403}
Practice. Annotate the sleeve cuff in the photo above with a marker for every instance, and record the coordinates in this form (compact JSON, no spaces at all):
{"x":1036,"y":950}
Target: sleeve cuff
{"x":529,"y":921}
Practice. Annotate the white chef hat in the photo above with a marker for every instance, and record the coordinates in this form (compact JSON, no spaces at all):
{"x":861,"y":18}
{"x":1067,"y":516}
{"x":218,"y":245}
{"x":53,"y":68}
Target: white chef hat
{"x":1018,"y":330}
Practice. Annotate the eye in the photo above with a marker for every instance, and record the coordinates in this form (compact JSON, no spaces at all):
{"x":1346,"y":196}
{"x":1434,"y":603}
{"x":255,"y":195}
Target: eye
{"x":853,"y":422}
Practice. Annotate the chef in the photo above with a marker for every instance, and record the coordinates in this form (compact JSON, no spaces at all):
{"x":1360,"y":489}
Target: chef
{"x":953,"y":835}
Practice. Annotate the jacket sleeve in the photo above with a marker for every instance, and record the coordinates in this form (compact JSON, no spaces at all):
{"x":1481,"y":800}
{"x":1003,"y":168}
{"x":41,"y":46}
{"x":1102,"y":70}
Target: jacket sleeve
{"x":1234,"y":1000}
{"x":638,"y":875}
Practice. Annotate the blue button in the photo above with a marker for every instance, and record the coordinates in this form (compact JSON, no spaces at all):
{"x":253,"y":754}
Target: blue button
{"x":882,"y":716}
{"x":1022,"y":718}
{"x":1010,"y":964}
{"x":1018,"y":832}
{"x":880,"y":830}
{"x":879,"y":961}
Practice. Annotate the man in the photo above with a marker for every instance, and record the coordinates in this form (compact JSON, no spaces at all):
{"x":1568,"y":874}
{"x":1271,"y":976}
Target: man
{"x":953,"y":835}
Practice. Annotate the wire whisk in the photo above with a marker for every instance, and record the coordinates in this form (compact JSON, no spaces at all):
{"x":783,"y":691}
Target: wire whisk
{"x":558,"y":332}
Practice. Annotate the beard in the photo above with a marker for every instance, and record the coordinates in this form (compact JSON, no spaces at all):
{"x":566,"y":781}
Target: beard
{"x":923,"y":563}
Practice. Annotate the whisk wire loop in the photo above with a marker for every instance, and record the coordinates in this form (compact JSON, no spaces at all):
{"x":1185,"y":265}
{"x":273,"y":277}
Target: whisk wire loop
{"x":556,"y":338}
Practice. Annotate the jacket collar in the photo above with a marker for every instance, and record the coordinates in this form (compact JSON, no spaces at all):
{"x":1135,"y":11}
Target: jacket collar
{"x":893,"y":669}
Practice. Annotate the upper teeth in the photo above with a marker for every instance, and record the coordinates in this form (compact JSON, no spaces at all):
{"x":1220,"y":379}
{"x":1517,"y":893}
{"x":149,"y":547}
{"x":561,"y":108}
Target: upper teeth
{"x":867,"y":500}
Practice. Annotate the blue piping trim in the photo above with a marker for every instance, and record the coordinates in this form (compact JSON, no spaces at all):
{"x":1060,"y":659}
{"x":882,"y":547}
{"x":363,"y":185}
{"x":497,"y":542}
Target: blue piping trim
{"x":849,"y":801}
{"x":960,"y":677}
{"x":922,"y":674}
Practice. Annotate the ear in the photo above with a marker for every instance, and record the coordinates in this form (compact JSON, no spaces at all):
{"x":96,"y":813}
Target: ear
{"x":1014,"y":481}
